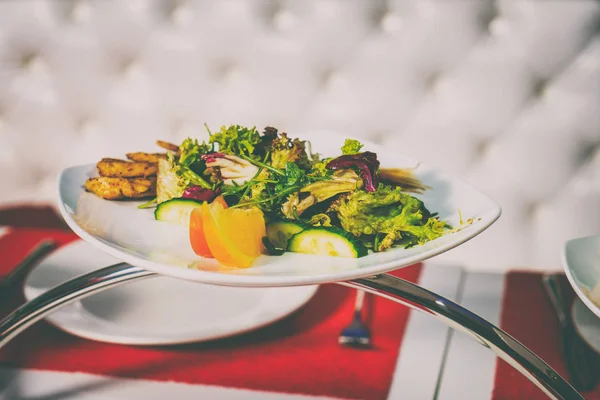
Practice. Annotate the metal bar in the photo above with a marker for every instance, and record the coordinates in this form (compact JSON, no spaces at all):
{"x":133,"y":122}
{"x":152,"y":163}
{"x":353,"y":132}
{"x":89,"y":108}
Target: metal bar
{"x":463,"y":320}
{"x":384,"y":285}
{"x":66,"y":293}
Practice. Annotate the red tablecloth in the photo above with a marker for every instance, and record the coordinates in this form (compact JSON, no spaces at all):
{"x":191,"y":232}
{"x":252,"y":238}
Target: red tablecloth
{"x":299,"y":354}
{"x":528,"y":316}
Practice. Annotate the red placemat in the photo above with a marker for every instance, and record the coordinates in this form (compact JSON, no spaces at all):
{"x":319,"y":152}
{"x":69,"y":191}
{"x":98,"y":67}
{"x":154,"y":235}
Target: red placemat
{"x":528,"y":316}
{"x":299,"y":354}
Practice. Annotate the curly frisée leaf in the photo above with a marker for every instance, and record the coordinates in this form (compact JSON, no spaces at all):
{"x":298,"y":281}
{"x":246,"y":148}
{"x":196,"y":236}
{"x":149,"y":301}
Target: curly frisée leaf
{"x":402,"y":218}
{"x":285,"y":150}
{"x":351,"y":146}
{"x":236,"y":139}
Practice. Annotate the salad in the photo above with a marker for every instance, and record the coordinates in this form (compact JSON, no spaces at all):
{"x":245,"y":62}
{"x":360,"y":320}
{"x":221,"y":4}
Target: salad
{"x":244,"y":193}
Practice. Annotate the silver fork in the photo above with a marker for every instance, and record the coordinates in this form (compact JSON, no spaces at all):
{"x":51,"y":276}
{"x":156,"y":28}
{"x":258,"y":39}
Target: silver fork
{"x":14,"y":277}
{"x":357,"y":334}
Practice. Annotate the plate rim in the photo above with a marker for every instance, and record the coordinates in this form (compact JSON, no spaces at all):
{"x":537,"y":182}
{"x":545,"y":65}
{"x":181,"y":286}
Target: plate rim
{"x":571,"y":277}
{"x":215,"y":278}
{"x":310,"y":292}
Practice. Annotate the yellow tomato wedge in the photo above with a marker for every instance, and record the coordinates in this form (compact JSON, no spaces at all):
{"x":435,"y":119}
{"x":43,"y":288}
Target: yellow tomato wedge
{"x":234,"y":235}
{"x":197,"y":233}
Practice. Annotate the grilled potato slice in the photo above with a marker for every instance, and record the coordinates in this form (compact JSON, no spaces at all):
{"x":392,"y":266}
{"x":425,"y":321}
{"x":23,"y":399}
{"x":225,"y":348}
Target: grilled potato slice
{"x":121,"y":188}
{"x":111,"y":167}
{"x":146,"y":157}
{"x":168,"y":146}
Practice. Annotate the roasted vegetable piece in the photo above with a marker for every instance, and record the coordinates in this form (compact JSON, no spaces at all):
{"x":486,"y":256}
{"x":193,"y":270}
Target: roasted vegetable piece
{"x":115,"y":168}
{"x":121,"y":188}
{"x":146,"y":157}
{"x":173,"y":148}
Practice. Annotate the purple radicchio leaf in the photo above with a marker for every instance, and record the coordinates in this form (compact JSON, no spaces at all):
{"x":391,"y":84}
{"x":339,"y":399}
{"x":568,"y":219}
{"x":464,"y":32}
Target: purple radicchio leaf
{"x":210,"y":158}
{"x":366,"y":163}
{"x":199,"y":193}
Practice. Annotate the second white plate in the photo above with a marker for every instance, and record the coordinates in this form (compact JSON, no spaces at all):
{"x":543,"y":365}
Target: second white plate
{"x":581,"y":262}
{"x":161,"y":310}
{"x":587,"y":324}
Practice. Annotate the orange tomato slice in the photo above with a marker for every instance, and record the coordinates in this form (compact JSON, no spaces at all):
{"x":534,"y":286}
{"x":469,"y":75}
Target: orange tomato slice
{"x":234,"y":236}
{"x":197,"y":234}
{"x":197,"y":231}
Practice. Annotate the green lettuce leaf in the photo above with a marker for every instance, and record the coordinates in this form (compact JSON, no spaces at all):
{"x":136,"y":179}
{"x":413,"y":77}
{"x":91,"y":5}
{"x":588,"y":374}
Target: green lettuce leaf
{"x":402,"y":218}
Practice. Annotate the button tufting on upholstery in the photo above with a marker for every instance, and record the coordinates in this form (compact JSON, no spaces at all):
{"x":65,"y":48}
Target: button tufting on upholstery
{"x":27,"y":60}
{"x":284,"y":20}
{"x":81,"y":11}
{"x":433,"y":81}
{"x":229,"y":71}
{"x":499,"y":26}
{"x":533,"y":210}
{"x":482,"y":148}
{"x":85,"y":126}
{"x":130,"y":68}
{"x":331,"y":78}
{"x":33,"y":63}
{"x":180,"y":13}
{"x":391,"y":22}
{"x":540,"y":88}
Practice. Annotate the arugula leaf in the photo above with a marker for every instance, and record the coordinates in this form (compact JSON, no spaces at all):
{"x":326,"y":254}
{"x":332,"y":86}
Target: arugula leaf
{"x":293,"y":173}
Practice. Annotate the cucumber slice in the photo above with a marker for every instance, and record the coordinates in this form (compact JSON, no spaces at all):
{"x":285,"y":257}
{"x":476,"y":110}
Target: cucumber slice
{"x":327,"y":241}
{"x":176,"y":211}
{"x":280,"y":232}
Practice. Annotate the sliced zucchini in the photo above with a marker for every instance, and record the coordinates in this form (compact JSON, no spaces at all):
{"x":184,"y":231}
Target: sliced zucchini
{"x":176,"y":211}
{"x":327,"y":241}
{"x":279,"y":232}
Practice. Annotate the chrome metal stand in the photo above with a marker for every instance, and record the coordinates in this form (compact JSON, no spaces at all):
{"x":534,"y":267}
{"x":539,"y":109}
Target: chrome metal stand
{"x":387,"y":286}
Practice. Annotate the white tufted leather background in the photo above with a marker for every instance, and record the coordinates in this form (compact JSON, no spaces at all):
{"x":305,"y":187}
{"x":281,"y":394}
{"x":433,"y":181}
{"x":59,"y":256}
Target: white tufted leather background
{"x":503,"y":93}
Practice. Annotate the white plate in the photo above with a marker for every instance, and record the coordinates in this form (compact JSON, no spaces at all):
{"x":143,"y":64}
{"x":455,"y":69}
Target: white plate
{"x":581,"y":262}
{"x":161,"y":310}
{"x":587,"y":324}
{"x":133,"y":235}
